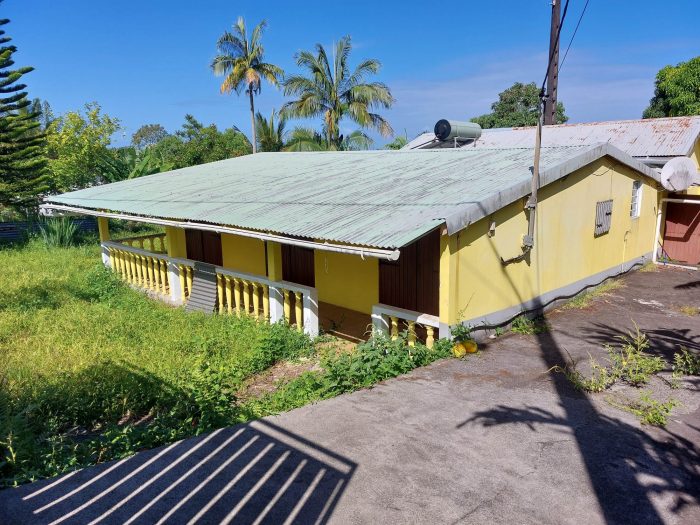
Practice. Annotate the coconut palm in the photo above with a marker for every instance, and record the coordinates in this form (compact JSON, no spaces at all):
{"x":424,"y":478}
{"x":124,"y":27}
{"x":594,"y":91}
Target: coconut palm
{"x":241,"y":62}
{"x":307,"y":139}
{"x":335,"y":92}
{"x":271,"y":134}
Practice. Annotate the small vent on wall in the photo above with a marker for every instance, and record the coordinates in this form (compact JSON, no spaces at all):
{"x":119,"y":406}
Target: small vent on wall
{"x":603,"y":217}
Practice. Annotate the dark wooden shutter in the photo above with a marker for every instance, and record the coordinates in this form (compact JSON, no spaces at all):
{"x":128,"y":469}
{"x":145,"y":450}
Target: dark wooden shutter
{"x":413,"y":282}
{"x":204,"y":246}
{"x":298,"y":265}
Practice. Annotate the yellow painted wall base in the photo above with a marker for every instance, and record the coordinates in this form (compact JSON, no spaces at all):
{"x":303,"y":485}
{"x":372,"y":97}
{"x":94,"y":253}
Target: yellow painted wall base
{"x":244,"y":254}
{"x":347,"y":280}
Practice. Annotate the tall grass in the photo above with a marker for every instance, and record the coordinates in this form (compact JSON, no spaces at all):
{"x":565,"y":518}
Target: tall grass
{"x":59,"y":232}
{"x":91,"y":370}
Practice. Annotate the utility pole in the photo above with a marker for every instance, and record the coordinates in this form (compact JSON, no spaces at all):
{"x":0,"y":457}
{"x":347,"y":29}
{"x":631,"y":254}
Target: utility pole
{"x":550,"y":108}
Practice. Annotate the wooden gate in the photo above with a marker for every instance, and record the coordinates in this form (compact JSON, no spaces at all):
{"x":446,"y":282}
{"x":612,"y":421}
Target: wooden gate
{"x":204,"y":246}
{"x":682,"y":232}
{"x":413,"y":282}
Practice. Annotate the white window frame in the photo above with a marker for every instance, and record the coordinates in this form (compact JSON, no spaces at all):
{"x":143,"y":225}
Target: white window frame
{"x":636,"y":204}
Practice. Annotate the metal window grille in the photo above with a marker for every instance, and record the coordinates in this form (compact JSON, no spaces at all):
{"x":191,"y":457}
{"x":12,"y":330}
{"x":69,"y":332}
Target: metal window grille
{"x":603,"y":217}
{"x":636,"y":205}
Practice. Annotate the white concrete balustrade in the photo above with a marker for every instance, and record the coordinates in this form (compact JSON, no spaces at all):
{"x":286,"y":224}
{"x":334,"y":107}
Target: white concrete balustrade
{"x":238,"y":293}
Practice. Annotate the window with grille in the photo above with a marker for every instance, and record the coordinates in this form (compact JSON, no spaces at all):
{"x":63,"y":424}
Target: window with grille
{"x":636,"y":206}
{"x":603,"y":217}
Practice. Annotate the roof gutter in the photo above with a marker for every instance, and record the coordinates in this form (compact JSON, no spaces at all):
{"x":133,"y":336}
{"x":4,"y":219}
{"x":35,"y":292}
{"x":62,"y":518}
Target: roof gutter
{"x":378,"y":253}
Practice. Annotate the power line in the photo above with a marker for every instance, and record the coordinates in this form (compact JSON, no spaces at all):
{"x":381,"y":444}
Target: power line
{"x":573,"y":35}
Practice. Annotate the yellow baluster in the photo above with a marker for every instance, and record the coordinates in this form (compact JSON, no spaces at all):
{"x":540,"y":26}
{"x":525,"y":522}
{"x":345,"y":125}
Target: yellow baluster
{"x":150,"y":243}
{"x":394,"y":328}
{"x":120,"y":264}
{"x":229,"y":296}
{"x":132,"y":266}
{"x":298,"y":311}
{"x":246,"y":296}
{"x":266,"y":302}
{"x":111,"y":259}
{"x":156,"y":274}
{"x":287,"y":307}
{"x":411,"y":333}
{"x":237,"y":293}
{"x":256,"y":300}
{"x":181,"y":273}
{"x":164,"y":276}
{"x":189,"y":271}
{"x":151,"y":275}
{"x":141,"y":243}
{"x":430,"y":336}
{"x":143,"y":272}
{"x":220,"y":292}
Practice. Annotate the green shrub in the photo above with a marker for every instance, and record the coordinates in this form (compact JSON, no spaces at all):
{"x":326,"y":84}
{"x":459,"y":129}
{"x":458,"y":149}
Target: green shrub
{"x":685,"y":363}
{"x":59,"y":232}
{"x":630,"y":362}
{"x":648,"y":410}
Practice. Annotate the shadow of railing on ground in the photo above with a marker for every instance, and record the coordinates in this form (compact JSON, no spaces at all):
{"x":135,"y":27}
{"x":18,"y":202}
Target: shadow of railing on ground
{"x":252,"y":473}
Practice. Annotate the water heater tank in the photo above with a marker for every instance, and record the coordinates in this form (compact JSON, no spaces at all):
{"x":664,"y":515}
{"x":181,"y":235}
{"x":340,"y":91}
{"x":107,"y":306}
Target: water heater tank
{"x":453,"y":129}
{"x":679,"y":174}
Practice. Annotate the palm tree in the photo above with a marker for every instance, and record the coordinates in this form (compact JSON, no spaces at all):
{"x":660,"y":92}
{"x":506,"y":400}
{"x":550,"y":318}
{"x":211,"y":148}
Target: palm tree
{"x":307,"y":139}
{"x":336,"y":92}
{"x":241,"y":61}
{"x":271,"y":135}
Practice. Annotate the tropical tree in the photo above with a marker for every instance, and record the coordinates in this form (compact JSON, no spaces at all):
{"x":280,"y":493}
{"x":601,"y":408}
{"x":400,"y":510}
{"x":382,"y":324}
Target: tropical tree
{"x":398,"y":143}
{"x":77,"y":144}
{"x":270,"y":133}
{"x":22,"y":161}
{"x":333,"y":92}
{"x":241,"y":62}
{"x":677,"y":91}
{"x":148,"y":135}
{"x":517,"y":106}
{"x":308,"y":139}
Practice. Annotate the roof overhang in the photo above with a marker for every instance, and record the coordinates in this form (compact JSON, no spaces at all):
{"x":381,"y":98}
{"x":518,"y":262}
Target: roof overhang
{"x":378,"y":253}
{"x":463,"y":218}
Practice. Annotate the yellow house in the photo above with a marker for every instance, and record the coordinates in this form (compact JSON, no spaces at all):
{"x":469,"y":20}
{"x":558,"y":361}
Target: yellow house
{"x":415,"y":240}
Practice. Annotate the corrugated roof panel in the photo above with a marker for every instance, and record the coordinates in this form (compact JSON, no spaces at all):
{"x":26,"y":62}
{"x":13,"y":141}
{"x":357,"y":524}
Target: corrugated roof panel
{"x":661,"y":137}
{"x":382,"y":199}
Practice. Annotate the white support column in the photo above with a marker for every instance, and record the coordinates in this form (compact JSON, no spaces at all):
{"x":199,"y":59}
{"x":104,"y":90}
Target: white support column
{"x":174,"y":281}
{"x":105,"y":255}
{"x":380,"y":323}
{"x":310,"y":303}
{"x":276,"y":304}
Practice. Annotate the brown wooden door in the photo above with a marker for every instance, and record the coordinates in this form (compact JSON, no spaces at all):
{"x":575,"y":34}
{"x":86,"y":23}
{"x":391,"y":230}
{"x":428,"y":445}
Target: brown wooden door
{"x":682,"y":232}
{"x":413,"y":282}
{"x":298,"y":265}
{"x":204,"y":246}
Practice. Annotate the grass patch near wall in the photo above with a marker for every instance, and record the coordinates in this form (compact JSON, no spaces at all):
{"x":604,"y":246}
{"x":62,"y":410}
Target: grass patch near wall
{"x":586,"y":298}
{"x":91,"y":370}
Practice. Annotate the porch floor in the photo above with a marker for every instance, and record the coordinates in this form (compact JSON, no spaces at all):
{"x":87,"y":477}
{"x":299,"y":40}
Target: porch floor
{"x":344,"y":323}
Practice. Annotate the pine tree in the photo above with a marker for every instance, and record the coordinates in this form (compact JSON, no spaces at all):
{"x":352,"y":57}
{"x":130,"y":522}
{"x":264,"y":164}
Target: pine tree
{"x":22,"y":160}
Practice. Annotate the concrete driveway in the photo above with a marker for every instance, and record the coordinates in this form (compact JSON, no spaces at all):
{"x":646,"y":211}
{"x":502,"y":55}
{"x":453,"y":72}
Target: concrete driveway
{"x":495,"y":438}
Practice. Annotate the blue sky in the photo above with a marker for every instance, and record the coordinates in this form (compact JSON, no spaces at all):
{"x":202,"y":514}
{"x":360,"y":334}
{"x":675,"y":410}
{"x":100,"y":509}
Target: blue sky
{"x":148,"y":61}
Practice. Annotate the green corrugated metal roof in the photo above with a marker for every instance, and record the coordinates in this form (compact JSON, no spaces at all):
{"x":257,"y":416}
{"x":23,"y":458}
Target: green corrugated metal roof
{"x":382,"y":199}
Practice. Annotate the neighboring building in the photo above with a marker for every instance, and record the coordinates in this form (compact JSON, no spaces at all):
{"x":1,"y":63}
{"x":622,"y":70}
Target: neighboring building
{"x":417,"y":239}
{"x":652,"y":141}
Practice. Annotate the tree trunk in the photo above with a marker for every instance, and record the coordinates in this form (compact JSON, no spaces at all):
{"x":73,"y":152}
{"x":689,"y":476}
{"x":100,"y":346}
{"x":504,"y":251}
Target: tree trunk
{"x":254,"y":140}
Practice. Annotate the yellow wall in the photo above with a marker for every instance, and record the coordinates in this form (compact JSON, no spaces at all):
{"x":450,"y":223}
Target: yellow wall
{"x":347,"y":280}
{"x":103,"y":228}
{"x":566,"y":250}
{"x":244,"y":254}
{"x":177,"y":245}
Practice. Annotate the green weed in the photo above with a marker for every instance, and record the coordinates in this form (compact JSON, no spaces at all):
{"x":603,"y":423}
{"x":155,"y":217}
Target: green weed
{"x":647,"y":409}
{"x":529,"y":326}
{"x":630,"y":362}
{"x":686,"y":363}
{"x":585,"y":299}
